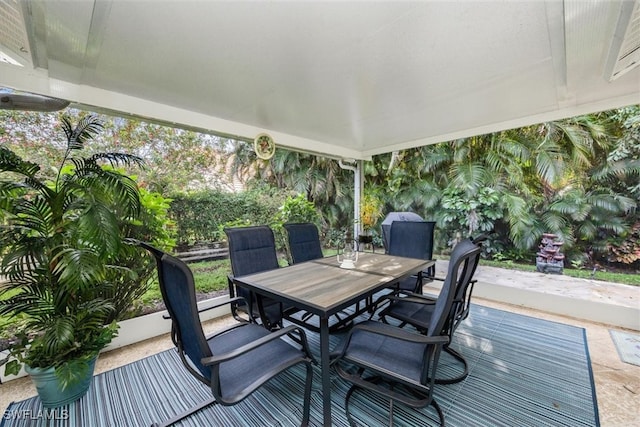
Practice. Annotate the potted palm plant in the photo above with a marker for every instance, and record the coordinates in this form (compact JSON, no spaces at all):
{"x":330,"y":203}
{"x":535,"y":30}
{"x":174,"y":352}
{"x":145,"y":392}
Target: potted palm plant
{"x":60,"y":239}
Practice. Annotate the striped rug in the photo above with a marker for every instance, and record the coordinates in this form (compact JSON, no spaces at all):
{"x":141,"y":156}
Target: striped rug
{"x":523,"y":372}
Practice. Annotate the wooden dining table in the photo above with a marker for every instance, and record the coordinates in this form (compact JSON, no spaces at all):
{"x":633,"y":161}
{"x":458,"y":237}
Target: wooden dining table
{"x":323,"y":288}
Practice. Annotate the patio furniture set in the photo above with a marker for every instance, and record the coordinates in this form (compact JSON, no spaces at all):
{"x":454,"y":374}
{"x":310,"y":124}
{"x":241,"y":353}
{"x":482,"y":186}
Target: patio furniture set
{"x":274,"y":307}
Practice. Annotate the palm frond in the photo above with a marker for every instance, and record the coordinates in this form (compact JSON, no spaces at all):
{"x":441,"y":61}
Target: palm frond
{"x":31,"y":300}
{"x":35,"y":215}
{"x":117,"y":159}
{"x":469,"y":177}
{"x":613,"y":204}
{"x":554,"y":222}
{"x":86,"y":129}
{"x":11,"y":162}
{"x":21,"y":264}
{"x":579,"y":145}
{"x":99,"y":225}
{"x":549,"y":165}
{"x":77,"y":269}
{"x":587,"y":230}
{"x":573,"y":205}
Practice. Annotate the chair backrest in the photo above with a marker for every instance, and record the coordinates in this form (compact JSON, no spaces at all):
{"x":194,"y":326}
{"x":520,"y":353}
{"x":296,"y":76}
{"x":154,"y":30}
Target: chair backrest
{"x":304,"y":241}
{"x":464,"y":279}
{"x":460,"y":269}
{"x":465,"y":285}
{"x":251,"y":249}
{"x":411,"y":239}
{"x":390,"y":218}
{"x":481,"y":238}
{"x":179,"y":295}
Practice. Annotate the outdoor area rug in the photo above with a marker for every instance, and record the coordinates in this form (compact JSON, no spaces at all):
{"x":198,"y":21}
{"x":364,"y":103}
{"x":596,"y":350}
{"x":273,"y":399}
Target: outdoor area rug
{"x":628,"y":346}
{"x":523,"y":372}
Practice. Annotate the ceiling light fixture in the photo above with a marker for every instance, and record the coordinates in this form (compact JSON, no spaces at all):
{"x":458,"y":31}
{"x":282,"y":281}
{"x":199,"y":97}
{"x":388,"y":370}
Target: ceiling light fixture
{"x":12,"y":101}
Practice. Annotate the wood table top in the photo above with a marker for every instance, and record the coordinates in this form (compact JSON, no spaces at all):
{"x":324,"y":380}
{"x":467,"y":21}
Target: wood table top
{"x":321,"y":286}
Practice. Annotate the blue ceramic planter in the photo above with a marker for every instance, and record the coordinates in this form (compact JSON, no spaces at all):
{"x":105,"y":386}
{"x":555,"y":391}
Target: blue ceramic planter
{"x":50,"y":390}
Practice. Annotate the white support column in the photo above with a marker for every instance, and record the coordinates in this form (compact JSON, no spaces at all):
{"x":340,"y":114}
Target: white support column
{"x":357,"y":191}
{"x":358,"y":183}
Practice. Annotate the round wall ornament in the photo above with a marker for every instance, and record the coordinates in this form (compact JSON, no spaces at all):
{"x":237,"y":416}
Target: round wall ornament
{"x":264,"y":146}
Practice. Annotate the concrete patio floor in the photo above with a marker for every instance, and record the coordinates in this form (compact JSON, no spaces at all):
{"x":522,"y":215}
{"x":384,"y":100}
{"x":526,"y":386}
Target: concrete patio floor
{"x":617,"y":383}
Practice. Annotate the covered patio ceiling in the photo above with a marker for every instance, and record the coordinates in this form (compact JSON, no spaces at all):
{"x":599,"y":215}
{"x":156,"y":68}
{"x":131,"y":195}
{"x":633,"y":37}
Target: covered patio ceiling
{"x":348,"y":79}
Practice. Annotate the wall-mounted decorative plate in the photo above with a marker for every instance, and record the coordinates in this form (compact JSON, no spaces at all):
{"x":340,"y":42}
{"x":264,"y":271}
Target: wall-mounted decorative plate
{"x":264,"y":146}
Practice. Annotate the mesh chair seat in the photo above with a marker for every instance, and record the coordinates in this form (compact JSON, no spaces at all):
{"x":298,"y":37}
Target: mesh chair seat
{"x":385,"y":353}
{"x":239,"y":374}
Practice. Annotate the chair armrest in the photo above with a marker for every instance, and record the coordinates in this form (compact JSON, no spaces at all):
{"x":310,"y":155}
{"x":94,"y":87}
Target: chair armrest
{"x":418,"y":298}
{"x":221,"y":303}
{"x":442,"y":279}
{"x":409,"y":297}
{"x":212,"y":306}
{"x":392,"y":296}
{"x":214,"y":360}
{"x":399,"y":333}
{"x":231,"y":285}
{"x":380,"y":302}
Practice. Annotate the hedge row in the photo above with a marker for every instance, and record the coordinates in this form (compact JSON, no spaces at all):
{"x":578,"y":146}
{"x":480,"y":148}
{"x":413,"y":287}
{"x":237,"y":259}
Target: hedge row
{"x":200,"y":217}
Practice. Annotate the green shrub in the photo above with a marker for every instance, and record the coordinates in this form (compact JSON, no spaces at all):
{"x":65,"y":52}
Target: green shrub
{"x":294,"y":210}
{"x":199,"y":216}
{"x":155,"y":227}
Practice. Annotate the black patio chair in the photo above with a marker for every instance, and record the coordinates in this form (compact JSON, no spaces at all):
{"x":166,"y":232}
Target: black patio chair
{"x":399,"y":363}
{"x":304,"y":245}
{"x":304,"y":242}
{"x":412,"y":239}
{"x":234,"y":362}
{"x":416,"y":309}
{"x":253,"y":250}
{"x":390,"y":218}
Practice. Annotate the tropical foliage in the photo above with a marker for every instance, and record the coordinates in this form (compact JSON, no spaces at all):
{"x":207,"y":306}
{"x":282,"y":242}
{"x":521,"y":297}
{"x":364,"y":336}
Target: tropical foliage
{"x":320,"y":179}
{"x":578,"y":178}
{"x":152,"y":225}
{"x":370,"y":210}
{"x":196,"y":160}
{"x":555,"y":177}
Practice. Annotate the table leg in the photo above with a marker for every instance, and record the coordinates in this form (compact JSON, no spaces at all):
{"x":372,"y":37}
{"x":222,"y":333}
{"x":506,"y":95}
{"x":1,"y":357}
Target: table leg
{"x":325,"y":370}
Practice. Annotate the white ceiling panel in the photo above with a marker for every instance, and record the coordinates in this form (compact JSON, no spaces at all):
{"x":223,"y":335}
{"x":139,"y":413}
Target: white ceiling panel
{"x":345,"y":78}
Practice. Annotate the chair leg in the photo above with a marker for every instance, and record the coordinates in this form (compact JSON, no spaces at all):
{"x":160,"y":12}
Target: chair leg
{"x":352,"y":423}
{"x":347,"y":399}
{"x":307,"y":396}
{"x":187,"y":413}
{"x":439,"y":411}
{"x":460,"y":377}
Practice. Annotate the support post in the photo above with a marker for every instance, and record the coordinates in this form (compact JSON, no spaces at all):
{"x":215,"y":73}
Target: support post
{"x":357,"y":192}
